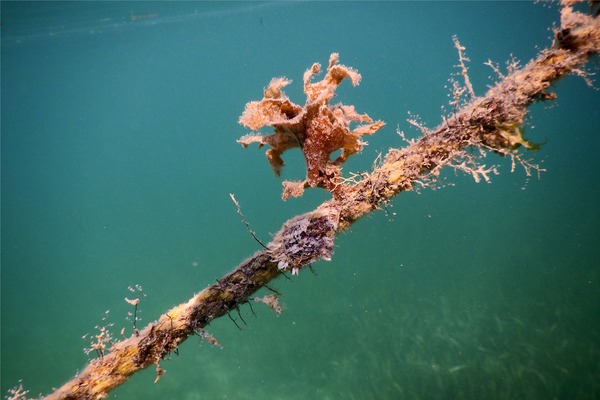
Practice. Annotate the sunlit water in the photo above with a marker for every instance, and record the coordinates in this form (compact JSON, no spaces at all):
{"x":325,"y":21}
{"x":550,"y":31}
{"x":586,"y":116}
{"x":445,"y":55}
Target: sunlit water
{"x":119,"y":123}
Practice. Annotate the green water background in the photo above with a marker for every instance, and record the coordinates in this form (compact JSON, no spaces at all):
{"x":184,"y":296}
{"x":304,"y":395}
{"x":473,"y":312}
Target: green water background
{"x":119,"y":154}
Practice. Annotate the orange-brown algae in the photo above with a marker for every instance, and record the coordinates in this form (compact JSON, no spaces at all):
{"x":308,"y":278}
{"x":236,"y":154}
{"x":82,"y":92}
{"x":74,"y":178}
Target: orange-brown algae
{"x":318,"y":129}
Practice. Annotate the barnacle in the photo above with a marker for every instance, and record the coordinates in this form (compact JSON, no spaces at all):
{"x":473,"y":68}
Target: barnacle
{"x":318,"y":129}
{"x":305,"y":239}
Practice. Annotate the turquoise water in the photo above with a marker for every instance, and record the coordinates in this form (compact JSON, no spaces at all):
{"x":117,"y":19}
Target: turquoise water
{"x":119,"y":123}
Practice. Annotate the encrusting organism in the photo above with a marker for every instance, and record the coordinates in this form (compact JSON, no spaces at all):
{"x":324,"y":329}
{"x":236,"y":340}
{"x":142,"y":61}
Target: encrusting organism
{"x":318,"y":129}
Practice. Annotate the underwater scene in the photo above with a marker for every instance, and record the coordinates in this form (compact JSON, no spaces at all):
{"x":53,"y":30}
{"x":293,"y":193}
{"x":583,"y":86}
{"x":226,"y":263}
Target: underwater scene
{"x":119,"y":155}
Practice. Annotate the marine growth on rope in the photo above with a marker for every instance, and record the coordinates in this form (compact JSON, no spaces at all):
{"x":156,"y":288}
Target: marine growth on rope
{"x":318,"y":129}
